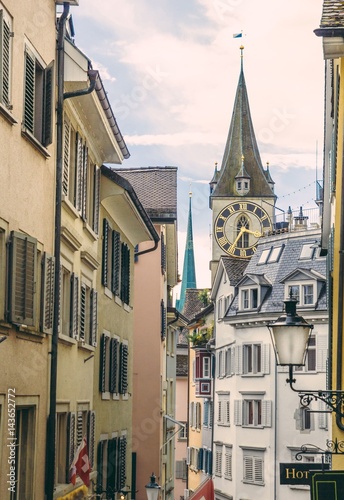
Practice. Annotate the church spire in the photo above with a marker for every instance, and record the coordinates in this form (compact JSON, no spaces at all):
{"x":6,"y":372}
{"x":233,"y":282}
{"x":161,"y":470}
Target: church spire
{"x":189,"y":273}
{"x":241,"y":142}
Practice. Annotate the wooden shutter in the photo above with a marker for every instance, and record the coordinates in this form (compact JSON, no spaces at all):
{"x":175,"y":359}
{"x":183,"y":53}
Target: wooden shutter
{"x":84,"y":183}
{"x":116,"y":262}
{"x":48,"y":105}
{"x":122,"y":462}
{"x":5,"y":60}
{"x":83,"y":313}
{"x":266,"y":358}
{"x":105,"y":256}
{"x":94,"y":317}
{"x":79,"y":172}
{"x":248,"y":469}
{"x":23,"y":271}
{"x":74,"y":306}
{"x":237,"y":412}
{"x":238,"y":359}
{"x":48,"y":293}
{"x":163,"y":319}
{"x":123,"y":378}
{"x":79,"y":428}
{"x":258,"y":470}
{"x":66,"y":157}
{"x":71,"y":448}
{"x":125,"y":273}
{"x":267,"y":413}
{"x":114,"y":366}
{"x":112,"y":464}
{"x":102,"y":365}
{"x":321,"y":347}
{"x":96,"y":203}
{"x":100,"y":465}
{"x":29,"y":91}
{"x":91,"y":425}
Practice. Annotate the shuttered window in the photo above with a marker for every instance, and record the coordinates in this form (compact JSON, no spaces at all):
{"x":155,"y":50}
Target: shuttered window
{"x":218,"y":460}
{"x":74,"y":307}
{"x":5,"y":57}
{"x":228,"y":463}
{"x":23,"y":278}
{"x":38,"y":98}
{"x":253,"y":413}
{"x":112,"y":464}
{"x":88,"y":315}
{"x":115,"y":263}
{"x":125,"y":273}
{"x":253,"y":469}
{"x":114,"y":366}
{"x":91,"y":425}
{"x":163,"y":320}
{"x":71,"y":440}
{"x":48,"y":293}
{"x":103,"y":366}
{"x":123,"y":377}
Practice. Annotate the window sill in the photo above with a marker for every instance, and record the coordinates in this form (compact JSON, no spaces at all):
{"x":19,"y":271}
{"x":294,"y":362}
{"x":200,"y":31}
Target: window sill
{"x":69,"y":207}
{"x":35,"y":143}
{"x":7,"y":115}
{"x":248,"y":375}
{"x":254,"y":483}
{"x":115,"y":396}
{"x":67,"y":340}
{"x":86,"y":347}
{"x":106,"y":396}
{"x":93,"y":236}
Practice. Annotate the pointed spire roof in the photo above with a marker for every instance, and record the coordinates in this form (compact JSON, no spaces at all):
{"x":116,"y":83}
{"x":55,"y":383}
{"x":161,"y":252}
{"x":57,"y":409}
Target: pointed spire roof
{"x":242,"y":172}
{"x":241,"y":141}
{"x":189,"y":273}
{"x":268,"y":175}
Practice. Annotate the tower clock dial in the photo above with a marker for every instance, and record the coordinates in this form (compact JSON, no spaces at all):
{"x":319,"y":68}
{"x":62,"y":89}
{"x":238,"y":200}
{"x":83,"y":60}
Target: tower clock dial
{"x":239,"y":226}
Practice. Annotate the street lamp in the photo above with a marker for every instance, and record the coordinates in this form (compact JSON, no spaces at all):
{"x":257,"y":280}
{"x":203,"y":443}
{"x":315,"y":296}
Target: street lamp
{"x":152,"y":488}
{"x":290,"y":335}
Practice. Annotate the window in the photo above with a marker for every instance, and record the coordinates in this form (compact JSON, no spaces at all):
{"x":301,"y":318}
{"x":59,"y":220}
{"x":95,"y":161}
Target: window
{"x":304,"y":419}
{"x":206,"y":366}
{"x":253,"y":411}
{"x":183,"y":432}
{"x":229,"y":361}
{"x":116,"y":263}
{"x":38,"y":98}
{"x":252,"y":358}
{"x":249,"y":298}
{"x":311,"y":358}
{"x":218,"y":460}
{"x":243,"y":240}
{"x":208,"y":413}
{"x":228,"y":463}
{"x":220,"y":363}
{"x":24,"y":452}
{"x":264,"y":255}
{"x":111,"y":460}
{"x":223,"y":409}
{"x":303,"y":293}
{"x":195,"y":415}
{"x":253,"y":466}
{"x":113,"y":374}
{"x":5,"y":57}
{"x":307,"y":251}
{"x":61,"y":464}
{"x":275,"y":254}
{"x":88,"y":315}
{"x":69,"y":301}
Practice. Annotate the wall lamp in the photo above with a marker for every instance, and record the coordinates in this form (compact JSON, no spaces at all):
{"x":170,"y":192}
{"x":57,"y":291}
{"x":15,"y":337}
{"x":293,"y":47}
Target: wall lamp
{"x":152,"y":488}
{"x":290,"y":335}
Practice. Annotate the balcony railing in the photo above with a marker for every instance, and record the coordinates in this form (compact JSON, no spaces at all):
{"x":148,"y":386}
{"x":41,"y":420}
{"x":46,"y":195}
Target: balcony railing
{"x":296,"y":220}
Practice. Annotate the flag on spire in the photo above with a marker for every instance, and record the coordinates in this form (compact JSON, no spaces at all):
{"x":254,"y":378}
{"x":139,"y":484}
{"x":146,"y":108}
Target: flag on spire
{"x":81,"y":465}
{"x":237,"y":35}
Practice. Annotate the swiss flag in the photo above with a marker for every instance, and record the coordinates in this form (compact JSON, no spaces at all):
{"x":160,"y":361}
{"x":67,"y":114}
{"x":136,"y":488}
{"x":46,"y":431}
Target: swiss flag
{"x":81,"y":465}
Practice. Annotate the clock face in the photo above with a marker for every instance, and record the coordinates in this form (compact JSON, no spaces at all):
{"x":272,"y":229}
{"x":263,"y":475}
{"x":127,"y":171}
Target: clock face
{"x":239,"y":226}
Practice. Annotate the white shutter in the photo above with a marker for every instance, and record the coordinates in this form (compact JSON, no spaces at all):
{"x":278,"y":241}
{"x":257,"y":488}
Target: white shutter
{"x":258,"y":470}
{"x":233,"y":360}
{"x":74,"y":306}
{"x":266,"y":358}
{"x":5,"y":59}
{"x":47,"y":312}
{"x":79,"y":173}
{"x":321,"y":346}
{"x":188,"y":453}
{"x":248,"y":469}
{"x":267,"y":413}
{"x":238,"y":356}
{"x":226,"y":412}
{"x":322,"y":416}
{"x":237,"y":412}
{"x":219,"y":412}
{"x":94,"y":317}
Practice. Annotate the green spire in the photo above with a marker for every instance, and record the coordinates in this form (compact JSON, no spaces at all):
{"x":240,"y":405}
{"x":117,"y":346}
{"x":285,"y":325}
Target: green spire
{"x":189,"y":273}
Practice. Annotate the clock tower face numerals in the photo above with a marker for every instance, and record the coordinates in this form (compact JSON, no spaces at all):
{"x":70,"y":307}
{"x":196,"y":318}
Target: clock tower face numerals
{"x":239,"y":226}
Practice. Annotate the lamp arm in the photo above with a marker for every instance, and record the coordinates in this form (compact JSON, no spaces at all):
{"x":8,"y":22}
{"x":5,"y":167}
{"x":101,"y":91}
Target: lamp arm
{"x":333,"y":399}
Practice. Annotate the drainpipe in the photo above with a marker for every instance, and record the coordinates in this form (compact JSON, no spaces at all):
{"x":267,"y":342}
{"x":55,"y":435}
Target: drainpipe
{"x":61,"y":96}
{"x":51,"y":424}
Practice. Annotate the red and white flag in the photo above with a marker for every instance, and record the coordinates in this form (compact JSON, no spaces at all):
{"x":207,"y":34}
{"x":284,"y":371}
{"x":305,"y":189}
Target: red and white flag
{"x":81,"y":465}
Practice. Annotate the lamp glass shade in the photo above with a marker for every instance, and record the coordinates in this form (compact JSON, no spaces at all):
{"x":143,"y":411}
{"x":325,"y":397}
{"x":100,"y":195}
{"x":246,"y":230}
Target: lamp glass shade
{"x":152,"y":493}
{"x":291,"y":343}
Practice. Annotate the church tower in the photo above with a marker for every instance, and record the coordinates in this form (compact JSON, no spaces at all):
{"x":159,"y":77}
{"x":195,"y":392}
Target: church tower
{"x":242,"y":195}
{"x":189,"y":273}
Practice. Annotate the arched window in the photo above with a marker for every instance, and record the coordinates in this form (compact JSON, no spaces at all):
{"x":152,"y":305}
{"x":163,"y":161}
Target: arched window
{"x":243,"y":222}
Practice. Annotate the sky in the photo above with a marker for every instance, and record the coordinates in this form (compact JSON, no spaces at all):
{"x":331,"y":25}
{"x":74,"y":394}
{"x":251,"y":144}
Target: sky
{"x":171,"y":69}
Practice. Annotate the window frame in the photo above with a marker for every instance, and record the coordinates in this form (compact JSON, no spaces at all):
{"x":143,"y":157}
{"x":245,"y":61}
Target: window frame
{"x":6,"y":62}
{"x":301,"y":285}
{"x":249,"y":298}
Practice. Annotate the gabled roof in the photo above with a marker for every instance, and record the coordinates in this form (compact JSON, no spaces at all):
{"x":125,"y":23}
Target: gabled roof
{"x":193,"y":303}
{"x":241,"y":141}
{"x":157,"y":189}
{"x":301,"y":273}
{"x":235,"y":268}
{"x":254,"y":279}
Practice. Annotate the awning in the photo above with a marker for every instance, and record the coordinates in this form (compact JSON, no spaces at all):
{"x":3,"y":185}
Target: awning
{"x":204,"y":492}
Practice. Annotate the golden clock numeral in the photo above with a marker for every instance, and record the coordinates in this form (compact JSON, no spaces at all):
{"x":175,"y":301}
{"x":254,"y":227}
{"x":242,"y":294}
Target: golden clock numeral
{"x":231,"y":250}
{"x":243,"y":252}
{"x":223,"y":240}
{"x":222,"y":217}
{"x":243,"y":206}
{"x":254,"y":249}
{"x":264,"y":217}
{"x":231,"y":209}
{"x":255,"y":209}
{"x":219,"y":229}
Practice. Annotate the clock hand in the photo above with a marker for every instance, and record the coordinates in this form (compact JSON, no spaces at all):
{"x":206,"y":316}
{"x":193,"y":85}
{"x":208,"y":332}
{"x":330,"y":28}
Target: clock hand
{"x":256,"y":234}
{"x":241,"y":232}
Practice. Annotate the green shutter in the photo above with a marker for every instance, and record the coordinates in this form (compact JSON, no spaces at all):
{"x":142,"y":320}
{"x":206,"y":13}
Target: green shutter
{"x":100,"y":464}
{"x":47,"y":302}
{"x":116,"y":262}
{"x":66,"y":153}
{"x":91,"y":425}
{"x":112,"y":464}
{"x":71,"y":448}
{"x":84,"y":183}
{"x":23,"y":271}
{"x":74,"y":306}
{"x":83,"y":313}
{"x":48,"y":105}
{"x":123,"y":379}
{"x":122,"y":462}
{"x":105,"y":259}
{"x":29,"y":91}
{"x":114,"y":366}
{"x":5,"y":60}
{"x":94,"y":318}
{"x":96,"y":200}
{"x":102,"y":365}
{"x":163,"y":319}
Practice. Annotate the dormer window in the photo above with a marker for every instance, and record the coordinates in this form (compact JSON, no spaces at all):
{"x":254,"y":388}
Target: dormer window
{"x":304,"y":293}
{"x":242,"y":180}
{"x":249,"y":298}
